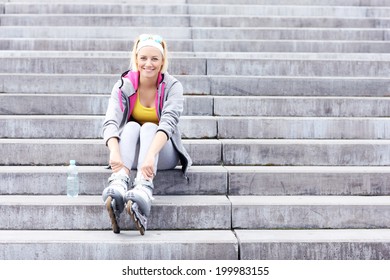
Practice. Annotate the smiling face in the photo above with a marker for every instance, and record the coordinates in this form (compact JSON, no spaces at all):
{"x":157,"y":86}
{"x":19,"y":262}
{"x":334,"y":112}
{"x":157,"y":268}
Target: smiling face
{"x":149,"y":62}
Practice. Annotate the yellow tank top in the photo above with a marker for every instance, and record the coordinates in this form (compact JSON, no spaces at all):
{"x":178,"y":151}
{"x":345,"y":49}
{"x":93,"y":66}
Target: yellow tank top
{"x":143,"y":114}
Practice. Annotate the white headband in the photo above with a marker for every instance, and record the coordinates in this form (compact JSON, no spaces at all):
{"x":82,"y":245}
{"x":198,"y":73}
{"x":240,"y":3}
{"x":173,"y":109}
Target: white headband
{"x":151,"y":43}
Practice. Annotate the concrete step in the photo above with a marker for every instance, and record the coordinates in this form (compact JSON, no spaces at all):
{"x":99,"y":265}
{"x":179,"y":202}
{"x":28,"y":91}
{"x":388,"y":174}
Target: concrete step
{"x":287,"y":2}
{"x":348,"y":244}
{"x":269,"y":67}
{"x":51,"y":180}
{"x":89,"y":213}
{"x":243,"y":2}
{"x":198,"y":45}
{"x":192,"y":9}
{"x":208,"y":152}
{"x":205,"y":33}
{"x":78,"y":104}
{"x":310,"y":212}
{"x":306,"y":152}
{"x":88,"y":152}
{"x":184,"y":20}
{"x":206,"y":66}
{"x":277,"y":106}
{"x":90,"y":127}
{"x":308,"y":180}
{"x":302,"y":128}
{"x":301,"y":106}
{"x":108,"y":65}
{"x":205,"y":85}
{"x":104,"y":245}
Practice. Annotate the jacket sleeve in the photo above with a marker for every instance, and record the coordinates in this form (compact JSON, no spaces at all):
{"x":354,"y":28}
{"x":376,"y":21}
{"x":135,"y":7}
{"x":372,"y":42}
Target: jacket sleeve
{"x":115,"y":114}
{"x":172,"y":109}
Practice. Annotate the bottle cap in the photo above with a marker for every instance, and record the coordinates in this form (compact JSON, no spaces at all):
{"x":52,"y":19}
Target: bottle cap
{"x":72,"y":162}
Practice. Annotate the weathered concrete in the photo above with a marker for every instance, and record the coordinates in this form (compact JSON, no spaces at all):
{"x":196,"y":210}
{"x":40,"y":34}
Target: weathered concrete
{"x":363,"y":244}
{"x":51,"y":180}
{"x":306,"y":152}
{"x":203,"y":45}
{"x":88,"y":213}
{"x":215,"y":85}
{"x":87,"y":152}
{"x":88,"y":127}
{"x":173,"y":35}
{"x":310,"y":212}
{"x":309,"y":180}
{"x":78,"y":104}
{"x":303,"y":128}
{"x":319,"y":106}
{"x":104,"y":245}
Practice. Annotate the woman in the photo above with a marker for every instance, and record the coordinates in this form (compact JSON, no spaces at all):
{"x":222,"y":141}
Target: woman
{"x":141,"y":131}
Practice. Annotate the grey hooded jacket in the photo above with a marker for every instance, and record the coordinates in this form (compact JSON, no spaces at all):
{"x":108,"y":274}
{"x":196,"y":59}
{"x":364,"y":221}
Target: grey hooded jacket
{"x":169,"y":104}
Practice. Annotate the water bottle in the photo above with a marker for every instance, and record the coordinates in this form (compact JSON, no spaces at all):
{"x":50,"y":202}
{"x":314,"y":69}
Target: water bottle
{"x":72,"y":182}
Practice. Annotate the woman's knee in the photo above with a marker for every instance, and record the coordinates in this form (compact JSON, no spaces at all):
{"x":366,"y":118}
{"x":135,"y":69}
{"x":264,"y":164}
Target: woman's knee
{"x":131,"y":127}
{"x":149,"y":127}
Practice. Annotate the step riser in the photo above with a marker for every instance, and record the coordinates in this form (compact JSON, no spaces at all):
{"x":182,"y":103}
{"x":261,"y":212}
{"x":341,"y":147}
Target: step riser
{"x":296,"y":2}
{"x":300,"y":182}
{"x":316,"y":153}
{"x":198,"y":66}
{"x":200,"y":46}
{"x":208,"y":152}
{"x":257,"y":128}
{"x":47,"y":104}
{"x":231,"y":86}
{"x":105,"y":245}
{"x":20,"y":181}
{"x":314,"y":245}
{"x":310,"y":217}
{"x":315,"y":251}
{"x":207,"y":128}
{"x":81,"y":128}
{"x":297,"y":68}
{"x":301,"y":107}
{"x":66,"y":213}
{"x":182,"y":66}
{"x":35,"y":104}
{"x":197,"y":33}
{"x":93,"y":152}
{"x":254,"y":10}
{"x":189,"y":21}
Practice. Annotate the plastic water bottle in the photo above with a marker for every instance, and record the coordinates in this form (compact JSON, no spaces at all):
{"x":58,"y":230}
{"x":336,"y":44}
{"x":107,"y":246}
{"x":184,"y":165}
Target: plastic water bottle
{"x":72,"y":182}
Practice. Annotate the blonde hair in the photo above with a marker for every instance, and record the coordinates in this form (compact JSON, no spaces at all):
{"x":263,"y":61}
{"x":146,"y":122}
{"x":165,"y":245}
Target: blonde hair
{"x":133,"y":60}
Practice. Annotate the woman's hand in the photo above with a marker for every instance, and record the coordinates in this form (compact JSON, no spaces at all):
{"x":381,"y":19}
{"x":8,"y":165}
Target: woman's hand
{"x":147,"y":168}
{"x":116,"y":161}
{"x":115,"y":156}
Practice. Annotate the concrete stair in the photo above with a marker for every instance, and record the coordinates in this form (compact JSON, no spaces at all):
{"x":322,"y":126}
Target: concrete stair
{"x":286,"y":119}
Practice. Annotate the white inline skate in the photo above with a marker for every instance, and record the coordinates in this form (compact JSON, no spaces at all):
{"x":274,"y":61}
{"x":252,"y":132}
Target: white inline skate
{"x":139,"y":202}
{"x":113,"y":197}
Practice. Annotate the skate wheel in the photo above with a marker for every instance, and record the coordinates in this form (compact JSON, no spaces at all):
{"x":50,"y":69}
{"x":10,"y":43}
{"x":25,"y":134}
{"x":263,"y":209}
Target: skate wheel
{"x":137,"y":224}
{"x":114,"y":223}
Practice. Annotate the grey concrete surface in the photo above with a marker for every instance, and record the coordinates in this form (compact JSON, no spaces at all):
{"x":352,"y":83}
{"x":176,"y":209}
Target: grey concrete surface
{"x":104,"y":245}
{"x":88,"y":213}
{"x":363,"y":244}
{"x":310,"y":212}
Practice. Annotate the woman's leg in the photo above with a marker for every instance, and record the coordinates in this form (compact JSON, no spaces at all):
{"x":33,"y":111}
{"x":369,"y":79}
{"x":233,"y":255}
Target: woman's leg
{"x":129,"y":144}
{"x":166,"y":159}
{"x":113,"y":195}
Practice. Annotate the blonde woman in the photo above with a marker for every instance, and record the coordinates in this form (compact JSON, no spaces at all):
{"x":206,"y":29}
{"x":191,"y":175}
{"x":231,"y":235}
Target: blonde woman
{"x":141,"y":131}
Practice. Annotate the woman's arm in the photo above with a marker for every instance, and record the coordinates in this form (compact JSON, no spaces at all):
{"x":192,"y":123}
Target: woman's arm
{"x":115,"y":156}
{"x":159,"y":140}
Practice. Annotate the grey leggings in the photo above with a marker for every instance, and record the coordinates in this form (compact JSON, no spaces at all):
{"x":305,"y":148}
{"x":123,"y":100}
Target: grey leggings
{"x":134,"y":145}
